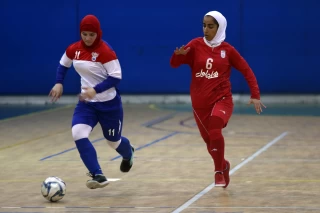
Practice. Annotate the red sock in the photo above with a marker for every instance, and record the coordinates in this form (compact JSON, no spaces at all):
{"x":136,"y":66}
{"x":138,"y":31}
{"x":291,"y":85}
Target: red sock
{"x":216,"y":149}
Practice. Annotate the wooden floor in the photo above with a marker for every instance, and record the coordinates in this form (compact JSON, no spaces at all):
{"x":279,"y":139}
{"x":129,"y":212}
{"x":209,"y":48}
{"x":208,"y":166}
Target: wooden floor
{"x":275,"y":164}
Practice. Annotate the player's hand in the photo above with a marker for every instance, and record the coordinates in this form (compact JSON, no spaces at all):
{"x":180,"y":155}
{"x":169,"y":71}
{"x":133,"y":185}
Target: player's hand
{"x":257,"y":105}
{"x":181,"y":50}
{"x":56,"y":92}
{"x":87,"y":93}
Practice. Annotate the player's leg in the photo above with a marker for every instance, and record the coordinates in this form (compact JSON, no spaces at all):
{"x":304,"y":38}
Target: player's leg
{"x":202,"y":117}
{"x":83,"y":121}
{"x":111,"y":123}
{"x":219,"y":118}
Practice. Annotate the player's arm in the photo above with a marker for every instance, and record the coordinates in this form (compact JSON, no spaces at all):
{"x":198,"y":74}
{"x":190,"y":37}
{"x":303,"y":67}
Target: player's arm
{"x":64,"y":64}
{"x":113,"y":69}
{"x":182,"y":55}
{"x":238,"y":62}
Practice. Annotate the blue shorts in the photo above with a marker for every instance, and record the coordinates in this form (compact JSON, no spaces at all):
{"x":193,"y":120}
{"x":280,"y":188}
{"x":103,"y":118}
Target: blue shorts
{"x":109,"y":114}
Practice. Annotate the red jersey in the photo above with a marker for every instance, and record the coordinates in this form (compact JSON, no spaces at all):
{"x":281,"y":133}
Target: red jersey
{"x":211,"y":70}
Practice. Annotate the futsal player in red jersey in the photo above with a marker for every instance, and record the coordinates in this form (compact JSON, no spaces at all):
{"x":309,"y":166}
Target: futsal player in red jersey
{"x":211,"y":59}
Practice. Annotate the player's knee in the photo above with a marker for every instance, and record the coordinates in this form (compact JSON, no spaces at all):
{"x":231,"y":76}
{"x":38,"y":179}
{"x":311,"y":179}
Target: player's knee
{"x":80,"y":131}
{"x":215,"y":134}
{"x":216,"y":126}
{"x":216,"y":122}
{"x":114,"y":144}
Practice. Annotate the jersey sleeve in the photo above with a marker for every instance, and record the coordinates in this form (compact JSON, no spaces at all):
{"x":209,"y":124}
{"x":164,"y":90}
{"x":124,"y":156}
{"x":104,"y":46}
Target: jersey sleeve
{"x":238,"y":62}
{"x":111,"y":63}
{"x":64,"y":64}
{"x":178,"y":60}
{"x":66,"y":59}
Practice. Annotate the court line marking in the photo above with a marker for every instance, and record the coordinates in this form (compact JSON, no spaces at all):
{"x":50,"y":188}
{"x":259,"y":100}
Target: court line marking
{"x":118,"y":156}
{"x":67,"y":150}
{"x":147,"y":124}
{"x":184,"y":122}
{"x":159,"y":120}
{"x":154,"y":107}
{"x":155,"y":180}
{"x":256,"y":207}
{"x":211,"y":186}
{"x":150,"y":123}
{"x":36,"y":113}
{"x":159,"y":207}
{"x":168,"y":117}
{"x":149,"y":144}
{"x":33,"y":139}
{"x":40,"y":180}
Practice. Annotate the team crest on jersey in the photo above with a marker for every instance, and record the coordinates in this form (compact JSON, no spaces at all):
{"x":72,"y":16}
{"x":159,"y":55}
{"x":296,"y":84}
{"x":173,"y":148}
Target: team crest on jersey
{"x":223,"y":53}
{"x":94,"y":56}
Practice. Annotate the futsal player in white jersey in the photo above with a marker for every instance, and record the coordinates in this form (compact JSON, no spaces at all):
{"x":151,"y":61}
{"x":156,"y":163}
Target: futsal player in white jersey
{"x":100,"y":102}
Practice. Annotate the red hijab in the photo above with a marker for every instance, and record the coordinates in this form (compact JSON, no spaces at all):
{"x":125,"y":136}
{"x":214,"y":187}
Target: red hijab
{"x":92,"y":24}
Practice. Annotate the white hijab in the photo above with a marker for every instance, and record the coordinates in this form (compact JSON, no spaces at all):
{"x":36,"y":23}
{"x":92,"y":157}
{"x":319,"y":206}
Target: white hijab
{"x":221,"y":33}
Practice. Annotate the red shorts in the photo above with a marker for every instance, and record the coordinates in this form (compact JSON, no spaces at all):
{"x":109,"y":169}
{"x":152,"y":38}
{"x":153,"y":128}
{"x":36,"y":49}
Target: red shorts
{"x":222,"y":108}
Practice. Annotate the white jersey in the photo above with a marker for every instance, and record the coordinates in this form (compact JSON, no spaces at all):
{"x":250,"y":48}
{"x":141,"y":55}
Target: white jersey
{"x":93,"y":67}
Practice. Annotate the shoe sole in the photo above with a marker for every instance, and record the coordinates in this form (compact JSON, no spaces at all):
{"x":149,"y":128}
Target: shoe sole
{"x":219,"y":185}
{"x":96,"y":185}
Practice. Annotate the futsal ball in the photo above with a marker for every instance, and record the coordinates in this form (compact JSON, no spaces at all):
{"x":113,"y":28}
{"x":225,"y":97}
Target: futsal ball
{"x":53,"y":189}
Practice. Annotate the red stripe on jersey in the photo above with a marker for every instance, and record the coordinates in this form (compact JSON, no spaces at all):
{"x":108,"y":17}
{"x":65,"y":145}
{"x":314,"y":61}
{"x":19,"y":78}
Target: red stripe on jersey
{"x":103,"y":53}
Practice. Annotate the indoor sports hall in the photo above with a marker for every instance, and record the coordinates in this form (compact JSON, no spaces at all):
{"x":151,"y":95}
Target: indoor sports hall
{"x":274,"y":156}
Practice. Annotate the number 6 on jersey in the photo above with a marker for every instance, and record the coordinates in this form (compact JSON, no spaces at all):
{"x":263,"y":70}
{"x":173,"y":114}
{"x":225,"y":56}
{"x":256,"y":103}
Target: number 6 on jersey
{"x":209,"y":63}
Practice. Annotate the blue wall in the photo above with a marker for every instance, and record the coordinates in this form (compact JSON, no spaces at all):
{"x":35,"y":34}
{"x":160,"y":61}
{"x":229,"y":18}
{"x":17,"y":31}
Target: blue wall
{"x":279,"y":39}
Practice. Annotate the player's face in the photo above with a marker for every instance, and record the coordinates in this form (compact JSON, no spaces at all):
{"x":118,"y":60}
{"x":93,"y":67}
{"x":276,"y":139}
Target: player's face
{"x":88,"y":37}
{"x":210,"y":28}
